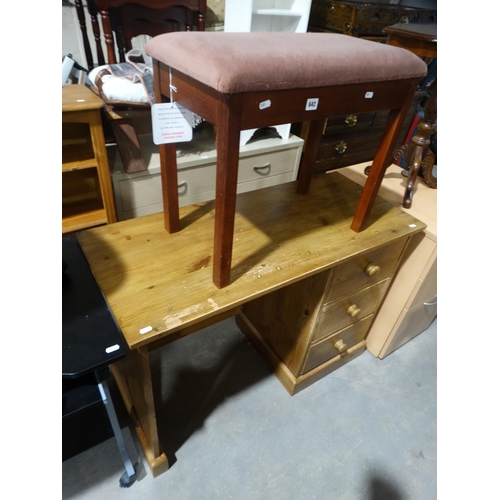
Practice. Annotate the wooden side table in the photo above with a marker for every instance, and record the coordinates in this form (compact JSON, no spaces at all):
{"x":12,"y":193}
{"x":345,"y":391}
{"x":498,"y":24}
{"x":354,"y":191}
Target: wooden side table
{"x":87,"y":192}
{"x":421,"y":39}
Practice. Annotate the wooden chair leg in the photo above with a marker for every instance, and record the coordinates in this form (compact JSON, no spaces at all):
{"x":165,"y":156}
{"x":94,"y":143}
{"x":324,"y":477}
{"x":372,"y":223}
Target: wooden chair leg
{"x":170,"y":192}
{"x":128,"y":145}
{"x":313,"y":132}
{"x":228,"y":150}
{"x":420,"y":158}
{"x":83,"y":27}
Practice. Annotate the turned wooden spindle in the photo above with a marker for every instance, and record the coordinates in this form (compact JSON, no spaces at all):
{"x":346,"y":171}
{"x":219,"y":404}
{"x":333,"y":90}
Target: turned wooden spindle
{"x":419,"y":156}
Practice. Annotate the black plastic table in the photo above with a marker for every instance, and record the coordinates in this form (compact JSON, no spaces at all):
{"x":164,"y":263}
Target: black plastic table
{"x":91,"y":341}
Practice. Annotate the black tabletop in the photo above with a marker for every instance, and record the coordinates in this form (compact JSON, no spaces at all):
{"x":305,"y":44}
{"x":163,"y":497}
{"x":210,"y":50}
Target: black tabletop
{"x":91,"y":338}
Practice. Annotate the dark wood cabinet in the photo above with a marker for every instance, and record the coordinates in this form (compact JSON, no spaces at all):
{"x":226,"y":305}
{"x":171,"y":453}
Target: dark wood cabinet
{"x":354,"y":138}
{"x":364,"y":20}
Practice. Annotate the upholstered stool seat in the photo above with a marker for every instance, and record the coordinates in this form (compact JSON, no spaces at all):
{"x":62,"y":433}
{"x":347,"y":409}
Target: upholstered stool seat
{"x":239,"y":81}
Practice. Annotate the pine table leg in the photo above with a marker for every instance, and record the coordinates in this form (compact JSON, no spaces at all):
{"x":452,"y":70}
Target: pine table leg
{"x":133,"y":377}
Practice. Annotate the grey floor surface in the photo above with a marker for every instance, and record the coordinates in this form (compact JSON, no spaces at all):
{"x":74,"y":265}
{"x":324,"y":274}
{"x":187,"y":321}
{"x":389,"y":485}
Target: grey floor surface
{"x":231,"y":431}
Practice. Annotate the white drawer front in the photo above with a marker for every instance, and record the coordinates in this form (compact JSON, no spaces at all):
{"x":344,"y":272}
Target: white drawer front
{"x":253,"y":168}
{"x":142,"y":195}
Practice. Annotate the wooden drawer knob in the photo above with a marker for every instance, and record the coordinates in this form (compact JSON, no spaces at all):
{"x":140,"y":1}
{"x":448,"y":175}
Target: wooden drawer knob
{"x":371,"y":269}
{"x":340,"y":345}
{"x":353,"y":311}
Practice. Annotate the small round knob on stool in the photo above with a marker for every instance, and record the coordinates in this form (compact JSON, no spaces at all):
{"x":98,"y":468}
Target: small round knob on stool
{"x":340,"y":345}
{"x":353,"y":311}
{"x":371,"y":269}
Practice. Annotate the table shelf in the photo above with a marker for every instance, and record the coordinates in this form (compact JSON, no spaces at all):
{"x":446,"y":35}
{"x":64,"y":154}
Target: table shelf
{"x":77,"y":157}
{"x":87,"y":193}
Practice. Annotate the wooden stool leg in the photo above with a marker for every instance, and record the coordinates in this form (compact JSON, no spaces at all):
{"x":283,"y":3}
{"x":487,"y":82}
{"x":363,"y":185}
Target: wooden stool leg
{"x":228,"y":150}
{"x":382,"y":160}
{"x":312,"y":137}
{"x":168,"y":164}
{"x":377,"y":170}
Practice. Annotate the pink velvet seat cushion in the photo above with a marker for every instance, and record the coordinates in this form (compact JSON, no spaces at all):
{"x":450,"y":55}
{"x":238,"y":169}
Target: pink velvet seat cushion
{"x":246,"y":62}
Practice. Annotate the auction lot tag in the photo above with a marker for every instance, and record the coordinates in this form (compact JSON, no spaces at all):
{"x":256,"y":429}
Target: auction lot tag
{"x":171,"y":123}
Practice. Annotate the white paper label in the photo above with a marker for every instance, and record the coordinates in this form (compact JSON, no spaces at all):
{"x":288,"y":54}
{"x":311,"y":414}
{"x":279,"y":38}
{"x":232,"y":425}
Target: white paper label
{"x":265,"y":104}
{"x":312,"y":104}
{"x":171,"y":123}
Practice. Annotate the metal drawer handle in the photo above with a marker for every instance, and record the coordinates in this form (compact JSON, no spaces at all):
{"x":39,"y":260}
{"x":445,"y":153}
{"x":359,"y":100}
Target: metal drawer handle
{"x":261,"y":170}
{"x":431,"y":303}
{"x":371,"y":269}
{"x":353,"y":311}
{"x":341,"y":147}
{"x":340,"y":345}
{"x":351,"y":120}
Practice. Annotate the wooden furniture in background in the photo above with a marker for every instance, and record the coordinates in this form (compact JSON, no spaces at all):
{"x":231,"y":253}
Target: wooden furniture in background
{"x":421,"y":39}
{"x":159,"y":285}
{"x":364,"y":20}
{"x":122,"y":20}
{"x":87,"y":192}
{"x":411,"y":303}
{"x":352,"y":137}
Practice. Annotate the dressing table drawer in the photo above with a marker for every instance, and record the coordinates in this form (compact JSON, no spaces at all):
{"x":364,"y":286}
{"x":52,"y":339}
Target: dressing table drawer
{"x":364,"y":270}
{"x":336,"y":344}
{"x":349,"y":309}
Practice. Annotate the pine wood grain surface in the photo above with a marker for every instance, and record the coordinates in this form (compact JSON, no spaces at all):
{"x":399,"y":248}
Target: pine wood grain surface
{"x":79,"y":98}
{"x":160,"y":283}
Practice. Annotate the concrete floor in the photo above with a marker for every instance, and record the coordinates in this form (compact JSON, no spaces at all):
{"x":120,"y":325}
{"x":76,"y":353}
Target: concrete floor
{"x":231,"y":431}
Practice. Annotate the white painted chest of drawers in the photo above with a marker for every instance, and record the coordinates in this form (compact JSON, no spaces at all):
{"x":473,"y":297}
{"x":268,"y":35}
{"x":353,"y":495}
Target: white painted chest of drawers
{"x":263,"y":163}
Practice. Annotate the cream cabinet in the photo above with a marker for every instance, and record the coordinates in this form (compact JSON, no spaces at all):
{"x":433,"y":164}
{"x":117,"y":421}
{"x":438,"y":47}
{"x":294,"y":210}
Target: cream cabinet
{"x":411,"y":302}
{"x":263,"y":163}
